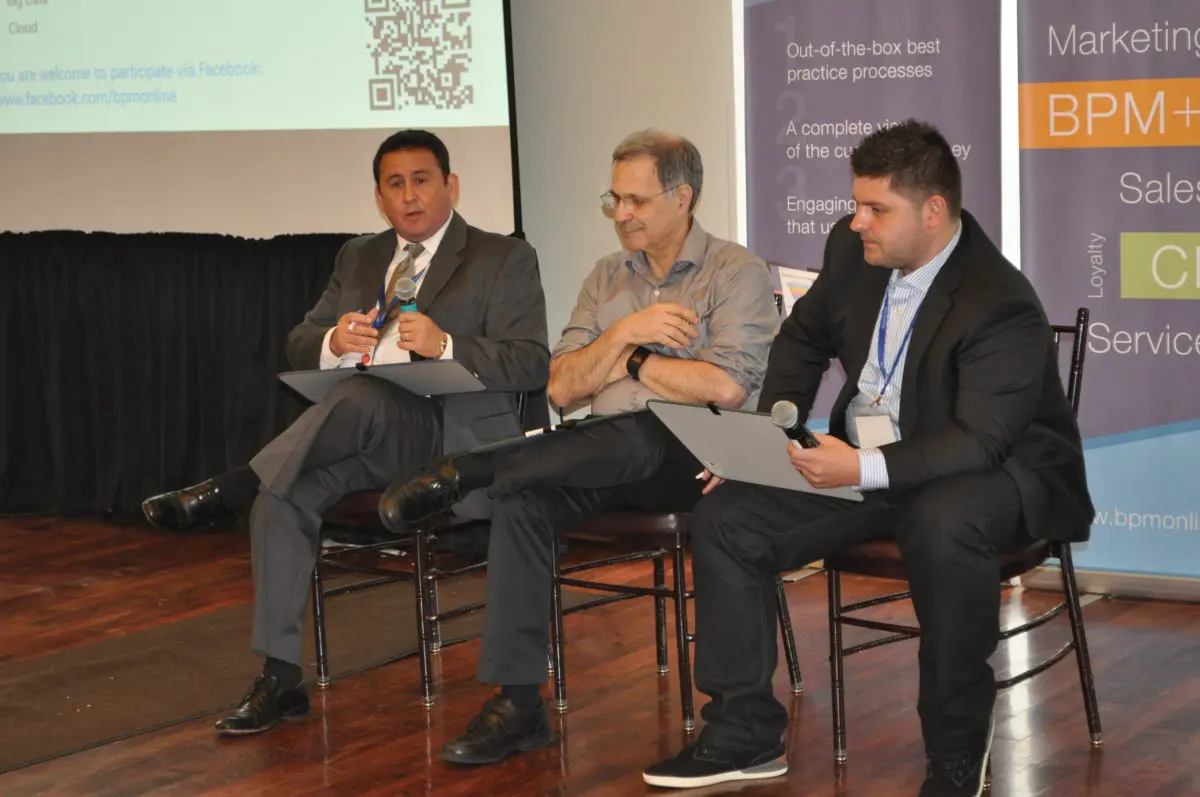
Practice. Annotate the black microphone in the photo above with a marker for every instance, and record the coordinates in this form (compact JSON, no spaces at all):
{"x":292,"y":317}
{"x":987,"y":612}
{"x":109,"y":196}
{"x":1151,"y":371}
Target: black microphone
{"x":786,"y":416}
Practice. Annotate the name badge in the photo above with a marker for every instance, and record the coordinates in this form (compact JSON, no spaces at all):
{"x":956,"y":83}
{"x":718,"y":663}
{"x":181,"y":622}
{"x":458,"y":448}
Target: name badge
{"x":874,"y":430}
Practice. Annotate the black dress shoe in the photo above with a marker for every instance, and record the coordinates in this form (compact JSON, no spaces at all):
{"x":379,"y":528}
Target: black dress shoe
{"x":405,"y":504}
{"x":498,"y":732}
{"x":263,"y":707}
{"x":183,"y":510}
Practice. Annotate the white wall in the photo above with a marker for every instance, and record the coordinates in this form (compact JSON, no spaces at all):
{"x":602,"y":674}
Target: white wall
{"x":251,"y":183}
{"x":589,"y":73}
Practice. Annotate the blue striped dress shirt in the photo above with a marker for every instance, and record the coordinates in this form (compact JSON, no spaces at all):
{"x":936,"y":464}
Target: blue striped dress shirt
{"x":904,"y":297}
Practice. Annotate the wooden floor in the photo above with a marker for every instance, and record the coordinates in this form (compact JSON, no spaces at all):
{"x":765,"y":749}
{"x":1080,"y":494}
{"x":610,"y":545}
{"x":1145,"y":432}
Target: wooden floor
{"x":73,"y":582}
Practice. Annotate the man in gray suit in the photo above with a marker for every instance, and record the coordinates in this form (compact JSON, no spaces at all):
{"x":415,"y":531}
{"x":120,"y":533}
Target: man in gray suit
{"x":480,"y":301}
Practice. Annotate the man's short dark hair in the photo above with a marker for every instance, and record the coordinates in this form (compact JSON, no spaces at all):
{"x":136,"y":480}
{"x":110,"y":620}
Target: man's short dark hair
{"x":916,"y":158}
{"x":414,"y":139}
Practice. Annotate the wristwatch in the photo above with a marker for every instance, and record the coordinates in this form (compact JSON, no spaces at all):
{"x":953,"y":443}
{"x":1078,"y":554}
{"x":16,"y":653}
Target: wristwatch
{"x":634,"y":363}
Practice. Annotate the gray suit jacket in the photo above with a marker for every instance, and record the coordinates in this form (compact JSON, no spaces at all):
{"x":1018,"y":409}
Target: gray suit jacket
{"x":482,"y":288}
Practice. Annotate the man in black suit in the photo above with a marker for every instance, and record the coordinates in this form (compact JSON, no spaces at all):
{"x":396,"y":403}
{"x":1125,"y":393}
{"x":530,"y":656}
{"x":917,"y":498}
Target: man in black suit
{"x":479,"y":301}
{"x":952,"y":422}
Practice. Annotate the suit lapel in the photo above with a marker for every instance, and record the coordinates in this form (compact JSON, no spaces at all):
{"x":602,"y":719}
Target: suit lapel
{"x":375,"y":261}
{"x":445,"y":262}
{"x":933,"y":311}
{"x":865,"y":304}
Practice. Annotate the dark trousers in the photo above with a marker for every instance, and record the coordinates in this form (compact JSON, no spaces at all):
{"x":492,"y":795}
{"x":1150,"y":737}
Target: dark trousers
{"x":365,"y":434}
{"x":238,"y":486}
{"x":950,"y":533}
{"x":543,"y":489}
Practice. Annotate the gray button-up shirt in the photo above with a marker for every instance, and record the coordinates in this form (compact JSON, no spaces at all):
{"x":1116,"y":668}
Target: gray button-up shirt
{"x":729,"y":288}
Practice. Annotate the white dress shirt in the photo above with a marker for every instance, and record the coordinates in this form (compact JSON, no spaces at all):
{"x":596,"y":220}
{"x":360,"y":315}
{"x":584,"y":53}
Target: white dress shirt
{"x":387,"y":351}
{"x":905,"y":295}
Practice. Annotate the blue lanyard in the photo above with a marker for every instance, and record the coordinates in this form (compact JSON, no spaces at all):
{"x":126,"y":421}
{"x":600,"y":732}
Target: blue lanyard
{"x":888,"y":373}
{"x":381,"y":319}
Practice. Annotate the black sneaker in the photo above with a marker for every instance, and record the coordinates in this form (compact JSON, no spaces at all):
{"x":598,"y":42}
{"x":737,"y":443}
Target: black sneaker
{"x":700,"y":764}
{"x":498,"y":732}
{"x":963,"y":777}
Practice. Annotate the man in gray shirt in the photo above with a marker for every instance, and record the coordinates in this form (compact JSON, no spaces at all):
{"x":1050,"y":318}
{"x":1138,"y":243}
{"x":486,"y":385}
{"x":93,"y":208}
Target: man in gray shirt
{"x":677,"y":314}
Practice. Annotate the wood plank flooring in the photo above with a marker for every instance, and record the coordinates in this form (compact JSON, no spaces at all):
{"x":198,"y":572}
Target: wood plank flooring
{"x":72,"y":582}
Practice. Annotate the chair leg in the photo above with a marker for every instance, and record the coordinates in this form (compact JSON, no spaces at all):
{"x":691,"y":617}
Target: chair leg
{"x":789,"y":637}
{"x":679,"y":575}
{"x":421,"y":562}
{"x":836,"y":663}
{"x":660,"y":615}
{"x":1082,"y":657}
{"x":318,"y":601}
{"x":435,"y":625}
{"x":557,"y":650}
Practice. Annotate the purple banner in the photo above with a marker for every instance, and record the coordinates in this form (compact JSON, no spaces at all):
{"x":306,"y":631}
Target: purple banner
{"x":1090,"y":197}
{"x":821,"y":74}
{"x":1110,"y":220}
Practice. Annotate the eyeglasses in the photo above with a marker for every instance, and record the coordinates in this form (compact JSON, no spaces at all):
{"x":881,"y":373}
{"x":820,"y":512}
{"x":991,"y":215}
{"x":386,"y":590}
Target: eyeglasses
{"x":610,"y":200}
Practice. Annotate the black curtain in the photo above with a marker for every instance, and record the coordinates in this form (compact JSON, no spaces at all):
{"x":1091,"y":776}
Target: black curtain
{"x":134,"y":364}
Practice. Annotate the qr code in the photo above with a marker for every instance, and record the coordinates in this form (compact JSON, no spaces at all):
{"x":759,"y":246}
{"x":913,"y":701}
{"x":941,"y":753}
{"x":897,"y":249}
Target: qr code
{"x":422,"y":54}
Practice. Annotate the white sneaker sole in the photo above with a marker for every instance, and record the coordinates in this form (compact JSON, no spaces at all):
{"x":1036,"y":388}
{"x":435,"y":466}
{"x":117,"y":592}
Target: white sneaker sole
{"x":771,"y":769}
{"x":987,"y":755}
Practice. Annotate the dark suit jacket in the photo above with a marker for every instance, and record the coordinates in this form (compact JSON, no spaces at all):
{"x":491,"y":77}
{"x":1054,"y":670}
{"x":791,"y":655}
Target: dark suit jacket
{"x":482,"y":288}
{"x":981,"y":387}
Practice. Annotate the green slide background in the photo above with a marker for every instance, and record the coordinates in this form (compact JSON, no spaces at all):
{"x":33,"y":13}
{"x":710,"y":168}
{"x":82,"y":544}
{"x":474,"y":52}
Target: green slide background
{"x":314,"y":57}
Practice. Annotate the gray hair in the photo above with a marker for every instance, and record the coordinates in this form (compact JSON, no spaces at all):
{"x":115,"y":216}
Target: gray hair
{"x":676,"y":160}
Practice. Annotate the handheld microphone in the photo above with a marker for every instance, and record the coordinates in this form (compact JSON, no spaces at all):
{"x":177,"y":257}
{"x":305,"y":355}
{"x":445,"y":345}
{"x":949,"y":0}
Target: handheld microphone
{"x":406,"y":292}
{"x":786,"y":416}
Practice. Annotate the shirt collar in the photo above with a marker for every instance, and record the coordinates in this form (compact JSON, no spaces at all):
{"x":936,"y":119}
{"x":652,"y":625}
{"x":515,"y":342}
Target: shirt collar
{"x":923,"y":277}
{"x":695,"y":244}
{"x":431,"y":243}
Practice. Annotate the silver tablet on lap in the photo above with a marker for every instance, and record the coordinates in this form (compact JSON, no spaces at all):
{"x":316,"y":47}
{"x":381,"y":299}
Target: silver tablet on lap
{"x":738,"y":445}
{"x":424,"y":378}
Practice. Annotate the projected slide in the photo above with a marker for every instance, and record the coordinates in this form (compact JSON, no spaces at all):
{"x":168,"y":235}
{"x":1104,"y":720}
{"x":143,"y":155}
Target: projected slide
{"x":69,"y":66}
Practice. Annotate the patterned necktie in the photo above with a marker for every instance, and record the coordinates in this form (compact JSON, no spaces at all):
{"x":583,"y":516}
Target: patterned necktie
{"x":404,"y":269}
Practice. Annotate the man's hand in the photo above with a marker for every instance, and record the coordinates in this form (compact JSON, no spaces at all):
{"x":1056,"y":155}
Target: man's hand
{"x":354,"y":333}
{"x":713,"y":481}
{"x":834,"y":464}
{"x":419,"y":333}
{"x":665,"y":323}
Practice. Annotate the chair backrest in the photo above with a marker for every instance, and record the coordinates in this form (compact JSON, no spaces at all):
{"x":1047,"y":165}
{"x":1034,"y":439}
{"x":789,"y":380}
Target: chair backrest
{"x":1078,"y":332}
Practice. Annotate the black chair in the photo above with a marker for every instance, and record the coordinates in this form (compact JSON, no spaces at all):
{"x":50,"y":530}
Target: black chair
{"x":389,"y":558}
{"x":883,"y":560}
{"x":656,"y":536}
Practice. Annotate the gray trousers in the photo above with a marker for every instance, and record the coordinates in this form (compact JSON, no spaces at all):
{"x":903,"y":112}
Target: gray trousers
{"x":364,"y":435}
